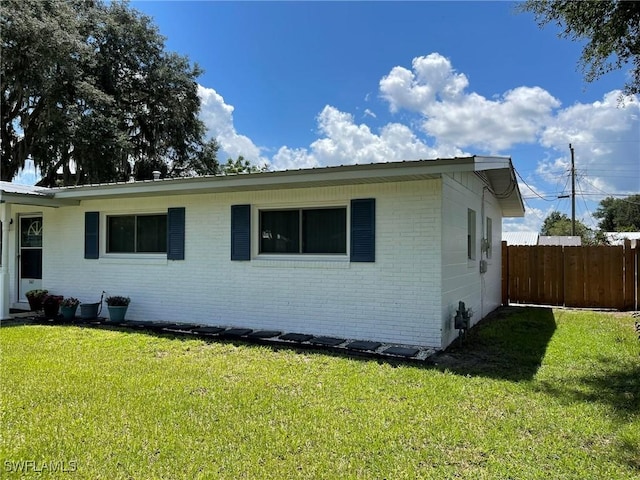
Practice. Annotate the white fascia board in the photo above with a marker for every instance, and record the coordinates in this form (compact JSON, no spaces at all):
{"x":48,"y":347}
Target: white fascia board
{"x":39,"y":200}
{"x":492,"y":163}
{"x":499,"y":173}
{"x":326,"y":176}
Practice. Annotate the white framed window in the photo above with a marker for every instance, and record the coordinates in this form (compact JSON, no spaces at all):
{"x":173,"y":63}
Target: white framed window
{"x":136,"y":233}
{"x":298,"y":231}
{"x":471,"y":234}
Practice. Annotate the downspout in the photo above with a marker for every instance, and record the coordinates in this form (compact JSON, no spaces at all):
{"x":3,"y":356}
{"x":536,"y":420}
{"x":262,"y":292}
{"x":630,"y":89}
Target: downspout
{"x":5,"y":218}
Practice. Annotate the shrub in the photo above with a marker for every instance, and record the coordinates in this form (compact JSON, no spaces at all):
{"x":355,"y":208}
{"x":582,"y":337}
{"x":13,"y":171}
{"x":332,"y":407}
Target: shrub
{"x":118,"y":301}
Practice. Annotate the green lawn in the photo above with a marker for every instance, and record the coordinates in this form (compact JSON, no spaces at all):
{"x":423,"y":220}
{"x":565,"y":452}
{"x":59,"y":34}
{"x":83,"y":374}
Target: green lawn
{"x":532,"y":393}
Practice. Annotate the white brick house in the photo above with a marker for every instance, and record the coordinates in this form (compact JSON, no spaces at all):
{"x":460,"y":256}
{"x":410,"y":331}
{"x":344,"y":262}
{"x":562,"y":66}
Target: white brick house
{"x":379,"y":252}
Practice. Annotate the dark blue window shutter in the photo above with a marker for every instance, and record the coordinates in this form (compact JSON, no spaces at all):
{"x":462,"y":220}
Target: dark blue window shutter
{"x":240,"y":232}
{"x":91,"y":235}
{"x":363,"y":230}
{"x":175,"y":233}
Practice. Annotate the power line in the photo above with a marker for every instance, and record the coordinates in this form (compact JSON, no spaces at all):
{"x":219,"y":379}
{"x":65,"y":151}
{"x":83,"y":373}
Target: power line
{"x":530,"y":188}
{"x":609,"y":194}
{"x":590,"y":215}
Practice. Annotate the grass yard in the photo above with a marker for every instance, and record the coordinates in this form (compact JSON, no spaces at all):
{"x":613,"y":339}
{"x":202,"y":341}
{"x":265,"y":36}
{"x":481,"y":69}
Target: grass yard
{"x":533,"y":393}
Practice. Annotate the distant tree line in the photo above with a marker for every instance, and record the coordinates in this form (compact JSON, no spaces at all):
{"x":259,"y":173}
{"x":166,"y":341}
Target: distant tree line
{"x":615,"y":214}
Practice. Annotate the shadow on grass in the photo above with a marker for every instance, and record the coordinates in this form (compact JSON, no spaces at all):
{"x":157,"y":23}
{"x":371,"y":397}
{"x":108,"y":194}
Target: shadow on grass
{"x":509,"y":344}
{"x":615,"y":384}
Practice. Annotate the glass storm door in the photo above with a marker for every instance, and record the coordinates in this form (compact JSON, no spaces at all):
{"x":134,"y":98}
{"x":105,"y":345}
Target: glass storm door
{"x":30,"y":255}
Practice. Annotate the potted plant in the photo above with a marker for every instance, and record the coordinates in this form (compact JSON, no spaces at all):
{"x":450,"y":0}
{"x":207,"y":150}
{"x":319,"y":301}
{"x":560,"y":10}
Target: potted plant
{"x":51,"y":305}
{"x":68,"y":308}
{"x":117,"y":306}
{"x":35,"y":298}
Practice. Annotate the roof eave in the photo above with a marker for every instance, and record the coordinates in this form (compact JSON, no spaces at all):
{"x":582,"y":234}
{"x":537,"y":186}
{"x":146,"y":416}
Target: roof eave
{"x":37,"y":200}
{"x":501,"y":177}
{"x":327,"y":176}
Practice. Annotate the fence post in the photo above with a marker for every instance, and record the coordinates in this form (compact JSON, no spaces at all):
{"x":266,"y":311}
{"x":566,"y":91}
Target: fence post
{"x":505,"y":274}
{"x":629,"y":300}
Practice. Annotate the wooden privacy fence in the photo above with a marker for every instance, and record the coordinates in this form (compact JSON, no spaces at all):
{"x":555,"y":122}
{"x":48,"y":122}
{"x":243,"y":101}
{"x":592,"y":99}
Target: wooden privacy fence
{"x":602,"y":276}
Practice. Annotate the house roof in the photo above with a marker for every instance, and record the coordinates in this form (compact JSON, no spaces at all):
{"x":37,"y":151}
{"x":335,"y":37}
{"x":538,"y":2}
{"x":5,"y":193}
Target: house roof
{"x":30,"y":195}
{"x":496,"y":172}
{"x":618,"y":238}
{"x":520,"y":238}
{"x":561,"y":240}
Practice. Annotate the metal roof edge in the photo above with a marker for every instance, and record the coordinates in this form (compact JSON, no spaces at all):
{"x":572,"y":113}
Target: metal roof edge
{"x":35,"y":199}
{"x":332,"y":175}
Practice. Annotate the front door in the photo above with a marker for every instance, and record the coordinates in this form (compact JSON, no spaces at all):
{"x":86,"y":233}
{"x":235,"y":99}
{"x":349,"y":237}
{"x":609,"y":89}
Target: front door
{"x":30,"y":255}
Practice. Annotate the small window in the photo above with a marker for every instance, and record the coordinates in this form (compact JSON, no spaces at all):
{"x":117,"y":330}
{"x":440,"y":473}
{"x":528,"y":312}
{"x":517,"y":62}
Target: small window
{"x":311,"y":231}
{"x":471,"y":234}
{"x":489,"y":237}
{"x":137,"y":234}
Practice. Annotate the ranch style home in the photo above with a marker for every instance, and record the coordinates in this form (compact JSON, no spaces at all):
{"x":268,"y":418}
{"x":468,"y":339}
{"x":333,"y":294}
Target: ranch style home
{"x":381,"y":252}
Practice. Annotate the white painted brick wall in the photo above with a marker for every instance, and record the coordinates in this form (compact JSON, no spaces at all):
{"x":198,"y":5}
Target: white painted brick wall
{"x":395,"y":299}
{"x":461,"y":278}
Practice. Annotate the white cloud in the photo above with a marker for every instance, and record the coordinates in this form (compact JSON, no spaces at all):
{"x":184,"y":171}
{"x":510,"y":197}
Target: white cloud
{"x":345,"y":142}
{"x":218,"y":118}
{"x":435,"y":91}
{"x":432,"y":78}
{"x":606,"y":139}
{"x":531,"y":222}
{"x":369,"y":113}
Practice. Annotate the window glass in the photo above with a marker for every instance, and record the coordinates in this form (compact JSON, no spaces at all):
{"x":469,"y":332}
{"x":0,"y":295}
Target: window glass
{"x":31,"y":229}
{"x":314,"y":230}
{"x":151,"y":234}
{"x":137,"y":234}
{"x":121,"y":234}
{"x":280,"y":231}
{"x":324,"y":230}
{"x":471,"y":234}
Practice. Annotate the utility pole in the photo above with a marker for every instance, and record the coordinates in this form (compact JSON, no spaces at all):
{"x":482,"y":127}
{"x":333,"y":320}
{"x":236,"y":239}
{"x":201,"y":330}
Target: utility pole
{"x":573,"y":193}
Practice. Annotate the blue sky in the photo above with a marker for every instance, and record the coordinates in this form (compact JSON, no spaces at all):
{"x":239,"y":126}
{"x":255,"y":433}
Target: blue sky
{"x":301,"y":84}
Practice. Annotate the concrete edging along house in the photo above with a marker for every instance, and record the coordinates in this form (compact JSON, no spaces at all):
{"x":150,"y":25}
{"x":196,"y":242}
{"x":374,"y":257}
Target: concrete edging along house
{"x":380,"y":252}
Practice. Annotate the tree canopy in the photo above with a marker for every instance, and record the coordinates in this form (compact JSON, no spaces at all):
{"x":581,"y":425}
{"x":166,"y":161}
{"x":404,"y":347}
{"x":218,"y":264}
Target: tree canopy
{"x":90,"y":94}
{"x":619,"y":214}
{"x":240,"y":165}
{"x":559,"y":224}
{"x":610,"y":27}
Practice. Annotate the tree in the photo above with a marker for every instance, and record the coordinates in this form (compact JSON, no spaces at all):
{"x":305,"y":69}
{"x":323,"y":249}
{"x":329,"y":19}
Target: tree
{"x":89,"y":93}
{"x":619,"y":214}
{"x":610,"y":27}
{"x":240,"y":165}
{"x":559,"y":224}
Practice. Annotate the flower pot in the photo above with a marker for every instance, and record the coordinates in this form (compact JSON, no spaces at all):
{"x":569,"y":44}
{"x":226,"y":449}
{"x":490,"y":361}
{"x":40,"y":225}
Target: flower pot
{"x":69,"y":313}
{"x":51,"y":305}
{"x":89,"y":311}
{"x":35,"y":303}
{"x":116,"y":314}
{"x":35,"y":299}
